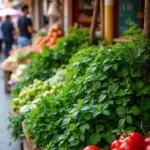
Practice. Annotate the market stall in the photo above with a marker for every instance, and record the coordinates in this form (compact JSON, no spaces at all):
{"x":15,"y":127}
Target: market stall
{"x":74,"y":90}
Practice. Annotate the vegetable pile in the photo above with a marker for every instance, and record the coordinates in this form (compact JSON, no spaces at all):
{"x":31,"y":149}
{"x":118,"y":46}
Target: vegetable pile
{"x":54,"y":34}
{"x":130,"y":141}
{"x":18,"y":74}
{"x":43,"y":65}
{"x":106,"y":94}
{"x":16,"y":58}
{"x":31,"y":95}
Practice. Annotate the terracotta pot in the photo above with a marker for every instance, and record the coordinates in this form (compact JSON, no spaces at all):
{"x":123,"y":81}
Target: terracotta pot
{"x":13,"y":112}
{"x":28,"y":139}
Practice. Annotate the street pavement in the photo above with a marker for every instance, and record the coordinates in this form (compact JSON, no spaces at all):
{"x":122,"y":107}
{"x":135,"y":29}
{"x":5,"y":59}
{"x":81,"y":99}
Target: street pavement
{"x":6,"y":143}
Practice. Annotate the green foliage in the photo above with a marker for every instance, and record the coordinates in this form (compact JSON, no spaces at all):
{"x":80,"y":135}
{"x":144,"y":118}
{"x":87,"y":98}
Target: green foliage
{"x":43,"y":65}
{"x":22,"y":56}
{"x":105,"y":95}
{"x":40,"y":34}
{"x":15,"y":126}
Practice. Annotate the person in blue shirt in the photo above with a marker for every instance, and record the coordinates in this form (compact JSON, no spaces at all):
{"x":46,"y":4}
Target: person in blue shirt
{"x":8,"y":31}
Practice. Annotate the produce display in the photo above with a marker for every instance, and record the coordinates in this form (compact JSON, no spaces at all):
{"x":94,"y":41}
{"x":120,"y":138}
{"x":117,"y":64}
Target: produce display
{"x":43,"y":65}
{"x":105,"y":95}
{"x":131,"y":141}
{"x":16,"y":58}
{"x":100,"y":94}
{"x":92,"y":147}
{"x":50,"y":40}
{"x":31,"y":95}
{"x":18,"y":74}
{"x":40,"y":34}
{"x":127,"y":141}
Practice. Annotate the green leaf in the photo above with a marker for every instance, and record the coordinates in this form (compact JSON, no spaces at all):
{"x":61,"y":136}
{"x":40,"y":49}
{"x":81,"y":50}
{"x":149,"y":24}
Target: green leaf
{"x":102,"y":98}
{"x":74,"y":143}
{"x":129,"y":119}
{"x":103,"y":77}
{"x":66,"y":121}
{"x":105,"y":84}
{"x":123,"y":72}
{"x":135,"y":110}
{"x":115,"y":67}
{"x":95,"y":138}
{"x":61,"y":137}
{"x":122,"y":122}
{"x":72,"y":138}
{"x":106,"y":67}
{"x":130,"y":128}
{"x":115,"y":88}
{"x":140,"y":84}
{"x":84,"y":127}
{"x":121,"y":110}
{"x":97,"y":85}
{"x":145,"y":90}
{"x":72,"y":127}
{"x":106,"y":112}
{"x":82,"y":138}
{"x":87,"y":117}
{"x":99,"y":127}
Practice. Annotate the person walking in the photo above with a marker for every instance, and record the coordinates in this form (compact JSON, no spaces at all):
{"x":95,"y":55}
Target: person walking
{"x":8,"y":31}
{"x":25,"y":28}
{"x":1,"y":35}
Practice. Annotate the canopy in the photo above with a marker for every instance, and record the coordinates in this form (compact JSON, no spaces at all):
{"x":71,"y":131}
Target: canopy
{"x":9,"y":11}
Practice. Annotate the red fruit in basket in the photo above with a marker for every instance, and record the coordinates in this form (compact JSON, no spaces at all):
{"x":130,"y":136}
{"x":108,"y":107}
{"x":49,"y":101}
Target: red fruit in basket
{"x":147,"y":140}
{"x":147,"y":147}
{"x":55,"y":28}
{"x":135,"y":138}
{"x":55,"y":34}
{"x":92,"y":147}
{"x":115,"y":145}
{"x":127,"y":145}
{"x":60,"y":33}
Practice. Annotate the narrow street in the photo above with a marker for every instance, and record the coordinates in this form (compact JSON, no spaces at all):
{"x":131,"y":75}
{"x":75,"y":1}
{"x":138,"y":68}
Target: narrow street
{"x":6,"y":143}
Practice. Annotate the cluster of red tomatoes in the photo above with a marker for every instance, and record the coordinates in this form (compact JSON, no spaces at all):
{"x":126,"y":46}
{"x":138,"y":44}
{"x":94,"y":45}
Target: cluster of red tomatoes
{"x":127,"y":141}
{"x":131,"y":141}
{"x":54,"y":34}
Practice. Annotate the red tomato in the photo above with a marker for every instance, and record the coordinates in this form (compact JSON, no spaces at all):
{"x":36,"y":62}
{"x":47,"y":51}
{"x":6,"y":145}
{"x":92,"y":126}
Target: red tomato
{"x":92,"y":147}
{"x":126,"y":146}
{"x":147,"y":147}
{"x":134,"y":137}
{"x":138,"y":140}
{"x":147,"y":140}
{"x":115,"y":145}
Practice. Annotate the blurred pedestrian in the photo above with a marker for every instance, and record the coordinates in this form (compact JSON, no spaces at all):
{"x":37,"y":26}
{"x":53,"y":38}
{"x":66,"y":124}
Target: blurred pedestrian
{"x":25,"y":28}
{"x":8,"y":31}
{"x":1,"y":35}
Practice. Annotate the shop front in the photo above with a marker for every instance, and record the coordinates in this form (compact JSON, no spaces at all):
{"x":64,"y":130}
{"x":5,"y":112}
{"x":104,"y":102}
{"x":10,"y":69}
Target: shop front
{"x":117,"y":15}
{"x":126,"y":11}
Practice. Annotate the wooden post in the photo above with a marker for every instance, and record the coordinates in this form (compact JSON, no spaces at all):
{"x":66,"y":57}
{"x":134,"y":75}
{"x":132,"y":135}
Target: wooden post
{"x":147,"y":19}
{"x":94,"y":21}
{"x":102,"y":16}
{"x":147,"y":34}
{"x":108,"y":21}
